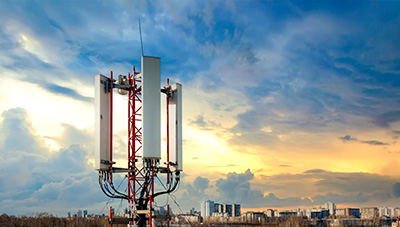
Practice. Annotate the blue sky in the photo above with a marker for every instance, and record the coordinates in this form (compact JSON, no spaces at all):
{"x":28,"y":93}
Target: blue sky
{"x":277,"y":95}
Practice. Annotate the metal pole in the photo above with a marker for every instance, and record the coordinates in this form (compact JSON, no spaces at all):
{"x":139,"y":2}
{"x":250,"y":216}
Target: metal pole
{"x":129,"y":149}
{"x":111,"y":124}
{"x":168,"y":132}
{"x":110,"y":216}
{"x":168,"y":222}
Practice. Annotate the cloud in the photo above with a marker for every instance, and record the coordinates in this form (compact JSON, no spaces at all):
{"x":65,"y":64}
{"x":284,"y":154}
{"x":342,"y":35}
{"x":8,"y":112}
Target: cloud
{"x":374,"y":142}
{"x":204,"y":124}
{"x":236,"y":188}
{"x":370,"y":142}
{"x":313,"y":187}
{"x":33,"y":177}
{"x":201,"y":183}
{"x":348,"y":198}
{"x":396,"y":189}
{"x":387,"y":118}
{"x":308,"y":71}
{"x":17,"y":135}
{"x":348,"y":138}
{"x":56,"y":89}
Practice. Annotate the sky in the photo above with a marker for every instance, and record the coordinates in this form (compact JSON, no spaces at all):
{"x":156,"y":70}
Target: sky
{"x":285,"y":103}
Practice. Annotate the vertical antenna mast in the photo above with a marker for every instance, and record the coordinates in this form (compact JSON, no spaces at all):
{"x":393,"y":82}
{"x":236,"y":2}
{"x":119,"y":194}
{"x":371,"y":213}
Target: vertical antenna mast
{"x":141,"y":41}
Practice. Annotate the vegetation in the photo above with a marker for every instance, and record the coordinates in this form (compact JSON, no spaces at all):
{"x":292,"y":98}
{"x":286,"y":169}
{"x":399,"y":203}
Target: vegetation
{"x":48,"y":220}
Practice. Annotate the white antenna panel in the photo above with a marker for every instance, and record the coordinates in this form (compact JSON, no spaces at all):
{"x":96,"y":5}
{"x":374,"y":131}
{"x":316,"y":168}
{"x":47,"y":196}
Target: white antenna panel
{"x":151,"y":107}
{"x":175,"y":128}
{"x":102,"y":124}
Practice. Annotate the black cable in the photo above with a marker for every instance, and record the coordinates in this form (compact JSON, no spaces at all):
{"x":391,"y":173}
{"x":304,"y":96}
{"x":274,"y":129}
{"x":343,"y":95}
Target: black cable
{"x":106,"y":191}
{"x":169,"y":190}
{"x":116,"y":190}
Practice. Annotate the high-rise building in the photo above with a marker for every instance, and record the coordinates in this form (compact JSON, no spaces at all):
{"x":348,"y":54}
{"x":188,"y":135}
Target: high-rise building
{"x":386,"y":211}
{"x":228,"y":209}
{"x":331,"y":207}
{"x":216,"y":207}
{"x":79,"y":214}
{"x":85,"y":213}
{"x":219,"y":208}
{"x":192,"y":211}
{"x":269,"y":213}
{"x":369,"y":212}
{"x":207,"y":208}
{"x":236,"y":210}
{"x":348,"y":212}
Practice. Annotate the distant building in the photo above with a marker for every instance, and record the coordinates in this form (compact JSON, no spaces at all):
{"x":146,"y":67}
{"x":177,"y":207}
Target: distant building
{"x":369,"y":212}
{"x":301,"y":212}
{"x":348,"y":212}
{"x":218,"y":214}
{"x":254,"y":216}
{"x":286,"y":213}
{"x":192,"y":211}
{"x":317,"y":213}
{"x":79,"y":214}
{"x":207,"y":208}
{"x":386,"y":211}
{"x":270,"y":213}
{"x":355,"y":212}
{"x":331,"y":207}
{"x":85,"y":213}
{"x":236,"y":210}
{"x":125,"y":212}
{"x":160,"y":210}
{"x":218,"y":208}
{"x":396,"y":212}
{"x":228,"y":209}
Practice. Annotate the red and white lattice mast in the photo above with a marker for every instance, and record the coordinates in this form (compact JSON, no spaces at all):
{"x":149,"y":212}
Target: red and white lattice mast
{"x":144,"y":139}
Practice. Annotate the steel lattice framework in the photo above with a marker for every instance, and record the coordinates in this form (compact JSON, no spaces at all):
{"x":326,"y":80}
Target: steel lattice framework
{"x":136,"y":173}
{"x":141,"y":169}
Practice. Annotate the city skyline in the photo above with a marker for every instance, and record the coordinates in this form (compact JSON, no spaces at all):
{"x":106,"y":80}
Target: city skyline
{"x":285,"y":104}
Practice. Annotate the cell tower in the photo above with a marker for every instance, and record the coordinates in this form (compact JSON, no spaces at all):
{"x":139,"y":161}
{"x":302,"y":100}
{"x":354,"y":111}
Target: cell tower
{"x":144,"y":140}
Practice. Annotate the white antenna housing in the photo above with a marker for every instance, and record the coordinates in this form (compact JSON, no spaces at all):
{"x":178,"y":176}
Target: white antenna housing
{"x":102,"y":124}
{"x":151,"y":107}
{"x":175,"y":128}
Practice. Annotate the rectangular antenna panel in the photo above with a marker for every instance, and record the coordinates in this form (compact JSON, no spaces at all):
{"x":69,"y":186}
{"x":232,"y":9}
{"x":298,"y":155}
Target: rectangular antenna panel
{"x":102,"y":124}
{"x":151,"y":107}
{"x":175,"y":128}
